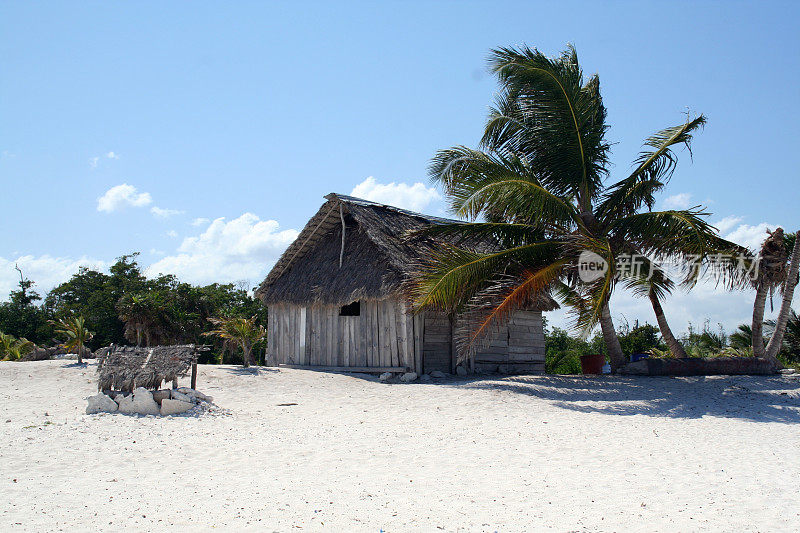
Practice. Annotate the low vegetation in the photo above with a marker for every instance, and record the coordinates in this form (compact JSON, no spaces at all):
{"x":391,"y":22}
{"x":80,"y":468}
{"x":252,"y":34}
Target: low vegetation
{"x":12,"y":348}
{"x":564,"y":351}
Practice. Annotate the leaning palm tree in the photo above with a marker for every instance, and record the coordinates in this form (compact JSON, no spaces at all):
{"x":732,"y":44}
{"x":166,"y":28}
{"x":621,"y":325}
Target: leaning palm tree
{"x":537,"y":182}
{"x":785,"y":314}
{"x":771,"y":273}
{"x":655,"y":293}
{"x":75,"y":332}
{"x":242,"y":331}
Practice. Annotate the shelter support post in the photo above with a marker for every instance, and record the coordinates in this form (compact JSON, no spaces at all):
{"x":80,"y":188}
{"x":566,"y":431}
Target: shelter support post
{"x":194,"y":374}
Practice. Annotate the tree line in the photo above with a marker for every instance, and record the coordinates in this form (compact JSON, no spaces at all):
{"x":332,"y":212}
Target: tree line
{"x":123,"y":306}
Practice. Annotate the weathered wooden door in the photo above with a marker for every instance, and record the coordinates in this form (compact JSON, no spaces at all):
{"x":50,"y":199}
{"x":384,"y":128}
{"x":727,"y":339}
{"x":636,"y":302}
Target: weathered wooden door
{"x":437,"y":345}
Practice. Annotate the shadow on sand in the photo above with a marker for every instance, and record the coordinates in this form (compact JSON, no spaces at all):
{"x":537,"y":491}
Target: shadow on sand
{"x":76,"y":365}
{"x":755,"y":398}
{"x":251,"y":371}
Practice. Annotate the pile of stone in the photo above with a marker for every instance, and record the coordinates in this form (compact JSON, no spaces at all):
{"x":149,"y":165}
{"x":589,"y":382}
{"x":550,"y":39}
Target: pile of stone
{"x":408,"y":377}
{"x":144,"y":402}
{"x":40,"y":353}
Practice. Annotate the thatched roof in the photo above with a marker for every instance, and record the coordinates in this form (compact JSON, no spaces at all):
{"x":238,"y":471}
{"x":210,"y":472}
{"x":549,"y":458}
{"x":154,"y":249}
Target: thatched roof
{"x":378,"y":255}
{"x":124,"y":368}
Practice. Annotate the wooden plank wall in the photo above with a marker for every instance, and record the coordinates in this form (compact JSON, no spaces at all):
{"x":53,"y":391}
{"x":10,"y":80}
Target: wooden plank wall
{"x":518,"y":348}
{"x":383,"y":335}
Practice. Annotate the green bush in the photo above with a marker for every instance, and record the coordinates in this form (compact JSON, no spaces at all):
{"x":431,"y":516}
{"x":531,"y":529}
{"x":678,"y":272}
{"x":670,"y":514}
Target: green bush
{"x":563,"y":361}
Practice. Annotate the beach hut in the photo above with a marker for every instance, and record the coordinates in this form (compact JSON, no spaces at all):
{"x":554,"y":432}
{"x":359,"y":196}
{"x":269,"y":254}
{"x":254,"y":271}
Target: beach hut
{"x":336,"y":300}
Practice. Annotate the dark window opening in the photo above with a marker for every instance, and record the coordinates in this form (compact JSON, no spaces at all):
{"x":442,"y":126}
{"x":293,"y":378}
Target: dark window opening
{"x":353,"y":309}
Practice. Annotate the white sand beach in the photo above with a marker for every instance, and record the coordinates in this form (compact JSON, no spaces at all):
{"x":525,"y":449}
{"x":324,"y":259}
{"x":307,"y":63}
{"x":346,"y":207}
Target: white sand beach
{"x":348,"y":453}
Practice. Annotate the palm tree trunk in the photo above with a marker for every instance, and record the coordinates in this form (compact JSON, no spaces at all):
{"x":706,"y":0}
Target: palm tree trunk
{"x":758,"y":319}
{"x":246,"y":348}
{"x":675,"y":347}
{"x":611,"y":340}
{"x":80,"y":350}
{"x":776,"y":341}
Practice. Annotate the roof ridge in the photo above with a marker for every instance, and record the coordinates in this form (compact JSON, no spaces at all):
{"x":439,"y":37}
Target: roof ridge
{"x":369,"y":203}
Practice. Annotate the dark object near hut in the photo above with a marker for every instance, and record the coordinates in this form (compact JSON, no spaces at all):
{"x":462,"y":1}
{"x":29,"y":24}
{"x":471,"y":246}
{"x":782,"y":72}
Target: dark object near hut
{"x":125,"y":368}
{"x":337,"y":299}
{"x":592,"y":364}
{"x":696,"y":366}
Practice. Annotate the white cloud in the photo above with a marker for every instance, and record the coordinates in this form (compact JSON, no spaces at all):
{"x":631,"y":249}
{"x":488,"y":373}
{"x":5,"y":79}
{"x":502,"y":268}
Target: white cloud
{"x":93,"y":161}
{"x":172,"y":233}
{"x":678,"y":201}
{"x":121,"y":196}
{"x":112,"y":155}
{"x":727,"y":223}
{"x":200,"y":221}
{"x":165,"y":213}
{"x":242,"y":249}
{"x":45,"y":270}
{"x":415,"y":197}
{"x":750,"y":236}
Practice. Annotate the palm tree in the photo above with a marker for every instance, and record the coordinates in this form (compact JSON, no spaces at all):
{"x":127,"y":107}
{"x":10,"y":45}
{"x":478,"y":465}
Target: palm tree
{"x":6,"y":342}
{"x":76,"y":334}
{"x":675,"y":348}
{"x":538,"y":182}
{"x":12,"y":348}
{"x":785,"y":313}
{"x":242,"y":331}
{"x":144,"y":318}
{"x":771,"y":273}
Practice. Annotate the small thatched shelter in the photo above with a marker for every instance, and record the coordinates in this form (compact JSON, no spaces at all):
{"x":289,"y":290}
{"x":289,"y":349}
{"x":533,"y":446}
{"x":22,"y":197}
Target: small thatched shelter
{"x":335,"y":299}
{"x":124,"y":368}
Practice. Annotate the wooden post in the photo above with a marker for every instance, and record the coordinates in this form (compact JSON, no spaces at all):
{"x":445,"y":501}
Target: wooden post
{"x":194,"y":374}
{"x":175,"y":383}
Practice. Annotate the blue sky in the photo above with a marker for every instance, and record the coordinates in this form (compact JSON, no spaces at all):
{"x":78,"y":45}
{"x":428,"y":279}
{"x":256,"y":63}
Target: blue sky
{"x":218,"y":127}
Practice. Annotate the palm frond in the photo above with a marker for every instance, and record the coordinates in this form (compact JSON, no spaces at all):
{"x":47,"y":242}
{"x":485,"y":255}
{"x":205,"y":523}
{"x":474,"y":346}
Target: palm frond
{"x":654,"y":168}
{"x":686,"y":237}
{"x":552,"y":119}
{"x":452,"y":276}
{"x":478,"y":183}
{"x":493,"y":305}
{"x":643,"y":276}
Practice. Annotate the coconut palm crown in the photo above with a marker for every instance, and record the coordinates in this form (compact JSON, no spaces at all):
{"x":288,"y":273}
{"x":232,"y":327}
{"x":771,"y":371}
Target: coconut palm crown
{"x":74,"y":330}
{"x":538,"y":185}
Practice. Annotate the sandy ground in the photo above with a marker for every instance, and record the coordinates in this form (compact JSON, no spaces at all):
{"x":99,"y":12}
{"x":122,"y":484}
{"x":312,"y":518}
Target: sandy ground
{"x":353,"y":454}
